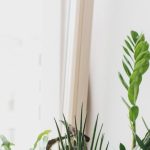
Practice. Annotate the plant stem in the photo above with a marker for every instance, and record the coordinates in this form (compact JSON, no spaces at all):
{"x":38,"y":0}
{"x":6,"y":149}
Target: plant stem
{"x":133,"y":135}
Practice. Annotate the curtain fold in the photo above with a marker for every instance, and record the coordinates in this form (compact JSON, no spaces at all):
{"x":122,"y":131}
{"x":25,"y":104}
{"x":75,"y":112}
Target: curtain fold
{"x":76,"y":65}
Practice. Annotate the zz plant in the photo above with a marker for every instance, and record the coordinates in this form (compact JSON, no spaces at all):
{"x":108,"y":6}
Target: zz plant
{"x":135,"y":63}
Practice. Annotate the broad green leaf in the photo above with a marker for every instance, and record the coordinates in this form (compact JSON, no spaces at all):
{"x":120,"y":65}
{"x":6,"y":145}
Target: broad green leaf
{"x":122,"y":147}
{"x":135,"y":36}
{"x":136,"y":77}
{"x":142,"y":66}
{"x":40,"y":136}
{"x":141,"y":47}
{"x":123,"y":81}
{"x":145,"y":55}
{"x":140,"y":38}
{"x":133,"y":113}
{"x":133,"y":92}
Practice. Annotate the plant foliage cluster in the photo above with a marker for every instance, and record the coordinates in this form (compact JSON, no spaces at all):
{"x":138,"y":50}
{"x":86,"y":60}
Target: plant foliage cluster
{"x":135,"y":63}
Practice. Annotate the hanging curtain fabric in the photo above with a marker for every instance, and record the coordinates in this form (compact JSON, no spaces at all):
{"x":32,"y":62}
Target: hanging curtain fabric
{"x":75,"y":62}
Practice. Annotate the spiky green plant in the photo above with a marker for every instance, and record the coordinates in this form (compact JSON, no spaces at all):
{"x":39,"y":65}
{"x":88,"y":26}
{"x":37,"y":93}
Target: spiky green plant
{"x":75,"y":138}
{"x":135,"y":63}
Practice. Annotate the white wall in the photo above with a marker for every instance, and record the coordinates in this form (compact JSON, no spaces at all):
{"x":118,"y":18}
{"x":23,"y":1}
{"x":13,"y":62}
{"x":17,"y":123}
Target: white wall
{"x":112,"y":21}
{"x":29,"y":68}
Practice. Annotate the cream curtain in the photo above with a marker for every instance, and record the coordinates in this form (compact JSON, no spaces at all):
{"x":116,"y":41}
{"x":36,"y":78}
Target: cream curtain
{"x":75,"y":64}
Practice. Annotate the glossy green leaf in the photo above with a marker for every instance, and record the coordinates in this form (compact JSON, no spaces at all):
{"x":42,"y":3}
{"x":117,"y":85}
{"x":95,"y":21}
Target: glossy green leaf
{"x":135,"y":36}
{"x":136,"y":77}
{"x":145,"y":55}
{"x":122,"y":147}
{"x":133,"y":92}
{"x":141,"y":47}
{"x":140,"y":38}
{"x":142,"y":66}
{"x":133,"y":113}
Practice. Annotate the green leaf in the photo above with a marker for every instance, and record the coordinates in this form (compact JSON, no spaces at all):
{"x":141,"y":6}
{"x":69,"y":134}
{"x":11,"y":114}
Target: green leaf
{"x":142,"y":66}
{"x":136,"y":77}
{"x":131,"y":42}
{"x":122,"y":147}
{"x":5,"y":142}
{"x":127,"y":52}
{"x":94,"y":133}
{"x":128,"y":62}
{"x":101,"y":142}
{"x":60,"y":137}
{"x":40,"y":136}
{"x":145,"y":55}
{"x":133,"y":113}
{"x":140,"y":38}
{"x":135,"y":36}
{"x":83,"y":130}
{"x":141,"y":47}
{"x":133,"y":92}
{"x":146,"y":126}
{"x":80,"y":131}
{"x":77,"y":135}
{"x":107,"y":146}
{"x":129,"y":46}
{"x":123,"y":81}
{"x":140,"y":142}
{"x":98,"y":137}
{"x":127,"y":70}
{"x":67,"y":131}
